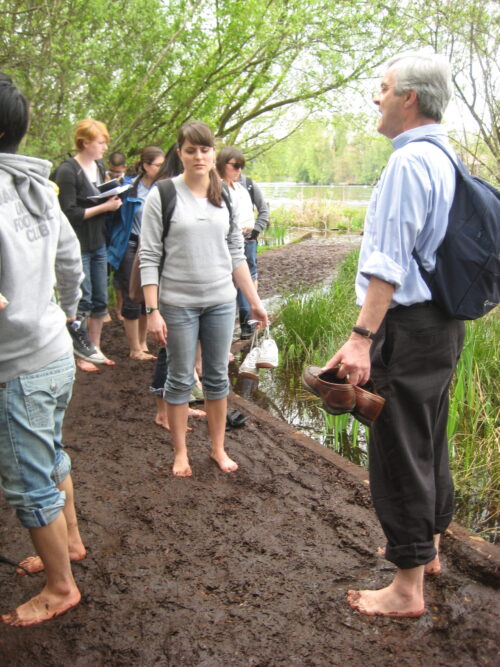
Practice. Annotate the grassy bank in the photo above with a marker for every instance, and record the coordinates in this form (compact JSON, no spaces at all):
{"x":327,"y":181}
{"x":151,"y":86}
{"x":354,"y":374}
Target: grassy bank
{"x":311,"y":326}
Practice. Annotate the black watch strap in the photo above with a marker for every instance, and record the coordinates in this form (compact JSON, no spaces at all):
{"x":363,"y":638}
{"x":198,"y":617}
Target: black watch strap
{"x":149,"y":309}
{"x":364,"y":332}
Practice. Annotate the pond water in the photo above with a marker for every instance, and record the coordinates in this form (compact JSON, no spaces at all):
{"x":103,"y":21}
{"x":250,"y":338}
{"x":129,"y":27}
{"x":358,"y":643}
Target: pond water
{"x":293,"y":194}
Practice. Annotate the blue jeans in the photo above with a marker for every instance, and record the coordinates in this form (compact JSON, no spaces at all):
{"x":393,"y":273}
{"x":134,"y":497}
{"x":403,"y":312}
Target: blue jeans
{"x":251,"y":255}
{"x":213,"y":327}
{"x":32,"y":458}
{"x":94,"y":301}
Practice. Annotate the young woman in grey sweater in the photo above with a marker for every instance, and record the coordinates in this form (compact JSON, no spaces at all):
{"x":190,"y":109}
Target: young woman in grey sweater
{"x":194,"y":297}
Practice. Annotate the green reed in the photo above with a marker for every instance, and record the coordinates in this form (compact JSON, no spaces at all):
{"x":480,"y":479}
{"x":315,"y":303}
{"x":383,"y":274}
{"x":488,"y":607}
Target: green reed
{"x":311,"y":326}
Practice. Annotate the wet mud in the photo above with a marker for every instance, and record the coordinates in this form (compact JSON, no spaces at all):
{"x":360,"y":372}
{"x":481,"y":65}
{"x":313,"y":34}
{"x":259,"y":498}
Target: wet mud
{"x":249,"y":568}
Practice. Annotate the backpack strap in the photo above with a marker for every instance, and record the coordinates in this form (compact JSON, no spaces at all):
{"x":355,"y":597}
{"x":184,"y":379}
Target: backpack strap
{"x":168,"y":197}
{"x":226,"y":196}
{"x":250,"y":188}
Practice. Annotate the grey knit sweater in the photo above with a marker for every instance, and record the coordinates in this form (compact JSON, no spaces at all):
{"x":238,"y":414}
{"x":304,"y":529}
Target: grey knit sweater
{"x":201,"y":250}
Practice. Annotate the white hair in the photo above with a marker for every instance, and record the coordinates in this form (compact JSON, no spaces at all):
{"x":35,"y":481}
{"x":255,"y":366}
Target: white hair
{"x":429,"y":75}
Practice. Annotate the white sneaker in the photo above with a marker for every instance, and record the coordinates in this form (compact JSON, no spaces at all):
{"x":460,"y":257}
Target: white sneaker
{"x":268,"y":353}
{"x":248,"y":368}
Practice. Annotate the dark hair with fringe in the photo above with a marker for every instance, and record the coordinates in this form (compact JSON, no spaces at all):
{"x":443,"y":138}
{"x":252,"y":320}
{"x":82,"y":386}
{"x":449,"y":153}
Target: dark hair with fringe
{"x":171,"y":167}
{"x":148,"y":156}
{"x":14,"y":115}
{"x":228,"y":153}
{"x":199,"y":134}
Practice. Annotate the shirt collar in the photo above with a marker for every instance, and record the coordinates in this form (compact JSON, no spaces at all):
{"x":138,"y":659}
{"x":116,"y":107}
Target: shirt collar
{"x":431,"y":130}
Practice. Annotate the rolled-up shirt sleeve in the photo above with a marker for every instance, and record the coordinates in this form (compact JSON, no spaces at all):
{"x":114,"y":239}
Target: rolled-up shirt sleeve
{"x":396,"y":216}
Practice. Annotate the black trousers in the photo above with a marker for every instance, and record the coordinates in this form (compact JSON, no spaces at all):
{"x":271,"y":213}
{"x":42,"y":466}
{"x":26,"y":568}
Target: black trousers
{"x":414,"y":356}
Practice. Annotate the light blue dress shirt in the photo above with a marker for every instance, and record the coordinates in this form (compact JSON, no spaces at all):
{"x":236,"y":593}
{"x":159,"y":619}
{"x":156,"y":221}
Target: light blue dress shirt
{"x":408,"y":209}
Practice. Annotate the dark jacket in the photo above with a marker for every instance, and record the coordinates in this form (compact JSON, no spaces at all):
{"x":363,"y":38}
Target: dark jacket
{"x":74,"y":190}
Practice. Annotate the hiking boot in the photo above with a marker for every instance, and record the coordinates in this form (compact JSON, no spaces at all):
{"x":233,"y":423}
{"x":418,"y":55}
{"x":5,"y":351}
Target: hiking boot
{"x":82,"y":346}
{"x":268,"y":354}
{"x":248,"y":368}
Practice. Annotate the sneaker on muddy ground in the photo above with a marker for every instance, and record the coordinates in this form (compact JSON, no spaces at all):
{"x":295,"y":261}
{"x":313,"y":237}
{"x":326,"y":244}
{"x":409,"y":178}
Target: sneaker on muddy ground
{"x":83,"y":348}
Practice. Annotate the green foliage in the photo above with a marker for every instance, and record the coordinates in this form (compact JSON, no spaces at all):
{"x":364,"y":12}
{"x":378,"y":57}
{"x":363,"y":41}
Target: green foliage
{"x":324,"y":151}
{"x":145,"y":66}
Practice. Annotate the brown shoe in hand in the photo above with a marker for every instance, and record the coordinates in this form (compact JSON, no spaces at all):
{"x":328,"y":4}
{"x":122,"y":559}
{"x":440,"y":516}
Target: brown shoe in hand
{"x":337,"y":394}
{"x":369,"y":404}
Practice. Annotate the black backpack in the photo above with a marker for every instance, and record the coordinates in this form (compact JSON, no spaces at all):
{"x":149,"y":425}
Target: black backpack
{"x":466,"y":279}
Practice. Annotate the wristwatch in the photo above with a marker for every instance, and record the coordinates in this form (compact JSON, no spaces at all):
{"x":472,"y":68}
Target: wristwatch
{"x":362,"y":332}
{"x":149,"y":309}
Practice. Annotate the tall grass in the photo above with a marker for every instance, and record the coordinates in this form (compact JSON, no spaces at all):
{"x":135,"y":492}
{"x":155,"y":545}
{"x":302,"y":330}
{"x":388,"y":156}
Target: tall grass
{"x":311,"y":326}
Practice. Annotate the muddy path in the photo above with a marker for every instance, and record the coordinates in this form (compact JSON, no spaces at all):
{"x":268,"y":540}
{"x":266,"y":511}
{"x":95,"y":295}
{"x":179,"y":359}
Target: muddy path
{"x":242,"y":569}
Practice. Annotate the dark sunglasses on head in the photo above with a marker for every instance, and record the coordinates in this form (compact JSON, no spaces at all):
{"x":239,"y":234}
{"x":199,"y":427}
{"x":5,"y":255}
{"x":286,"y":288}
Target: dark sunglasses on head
{"x":236,"y":165}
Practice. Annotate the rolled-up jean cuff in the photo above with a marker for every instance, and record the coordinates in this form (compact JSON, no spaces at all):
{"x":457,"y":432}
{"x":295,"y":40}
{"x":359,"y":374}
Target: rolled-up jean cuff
{"x":99,"y":315}
{"x":176,"y":398}
{"x":62,"y":468}
{"x":32,"y":517}
{"x":156,"y":391}
{"x":216,"y":396}
{"x":407,"y":556}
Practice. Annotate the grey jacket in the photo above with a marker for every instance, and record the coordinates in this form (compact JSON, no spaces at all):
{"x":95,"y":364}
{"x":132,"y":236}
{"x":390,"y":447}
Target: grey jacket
{"x":38,"y":250}
{"x":262,"y":220}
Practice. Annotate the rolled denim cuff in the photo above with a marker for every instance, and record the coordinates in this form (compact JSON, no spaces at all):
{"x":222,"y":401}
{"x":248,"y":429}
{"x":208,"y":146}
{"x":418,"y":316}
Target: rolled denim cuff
{"x":33,"y":517}
{"x":407,"y":556}
{"x":63,"y":467}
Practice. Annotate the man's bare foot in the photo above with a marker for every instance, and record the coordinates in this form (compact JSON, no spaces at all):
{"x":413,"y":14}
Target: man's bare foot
{"x":196,"y":414}
{"x":42,"y":607}
{"x":385,"y":602}
{"x":433,"y":568}
{"x":141,"y":356}
{"x":224,"y":462}
{"x":34,"y":564}
{"x":181,"y":467}
{"x":86,"y":366}
{"x":108,"y":362}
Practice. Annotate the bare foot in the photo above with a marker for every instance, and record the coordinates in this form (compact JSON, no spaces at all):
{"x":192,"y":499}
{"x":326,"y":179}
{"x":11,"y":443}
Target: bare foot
{"x":197,"y":414}
{"x":181,"y":467}
{"x":42,"y":607}
{"x":141,"y":356}
{"x":433,"y":568}
{"x":86,"y":366}
{"x":163,"y":422}
{"x":108,"y":362}
{"x":231,"y":357}
{"x":385,"y":602}
{"x":34,"y":564}
{"x":224,"y":462}
{"x":106,"y":318}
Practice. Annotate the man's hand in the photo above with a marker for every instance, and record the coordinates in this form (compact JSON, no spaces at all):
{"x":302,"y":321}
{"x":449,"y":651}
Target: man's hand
{"x":353,"y":360}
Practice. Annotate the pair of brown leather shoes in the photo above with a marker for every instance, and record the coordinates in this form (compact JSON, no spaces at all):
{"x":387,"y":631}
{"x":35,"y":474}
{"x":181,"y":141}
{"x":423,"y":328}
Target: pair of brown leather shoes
{"x":339,"y":396}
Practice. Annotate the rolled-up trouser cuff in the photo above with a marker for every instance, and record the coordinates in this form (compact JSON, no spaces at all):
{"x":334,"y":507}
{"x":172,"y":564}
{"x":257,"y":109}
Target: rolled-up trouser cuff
{"x":407,"y":556}
{"x":63,"y":467}
{"x":156,"y":391}
{"x":33,"y":517}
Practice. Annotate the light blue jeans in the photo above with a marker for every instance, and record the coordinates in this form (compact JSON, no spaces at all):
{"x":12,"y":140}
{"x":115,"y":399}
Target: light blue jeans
{"x":213,"y":327}
{"x":32,"y":458}
{"x":94,"y":301}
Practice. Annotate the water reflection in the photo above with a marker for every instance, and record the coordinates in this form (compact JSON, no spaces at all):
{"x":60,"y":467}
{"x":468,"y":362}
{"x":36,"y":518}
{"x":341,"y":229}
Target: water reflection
{"x":292,"y":194}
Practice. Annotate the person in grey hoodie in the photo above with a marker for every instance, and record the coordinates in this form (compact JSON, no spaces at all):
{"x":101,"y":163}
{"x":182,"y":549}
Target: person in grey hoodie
{"x":38,"y":251}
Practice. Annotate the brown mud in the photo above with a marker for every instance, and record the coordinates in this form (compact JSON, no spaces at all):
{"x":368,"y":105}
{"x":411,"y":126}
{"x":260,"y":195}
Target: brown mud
{"x":249,"y":568}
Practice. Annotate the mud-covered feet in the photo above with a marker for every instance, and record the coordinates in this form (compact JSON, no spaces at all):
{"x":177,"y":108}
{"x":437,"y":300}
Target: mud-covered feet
{"x":181,"y":467}
{"x":34,"y":564}
{"x":42,"y":607}
{"x":386,"y":602}
{"x":163,"y":422}
{"x":141,"y":355}
{"x":224,"y":462}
